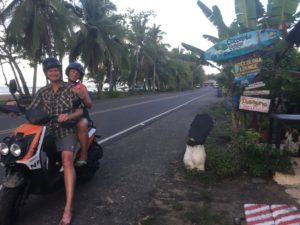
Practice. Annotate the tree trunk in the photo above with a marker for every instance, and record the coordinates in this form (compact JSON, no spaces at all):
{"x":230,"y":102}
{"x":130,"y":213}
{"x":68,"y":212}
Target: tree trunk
{"x":34,"y":78}
{"x":153,"y":77}
{"x":234,"y":125}
{"x":110,"y":76}
{"x":136,"y":68}
{"x":24,"y":84}
{"x":12,"y":60}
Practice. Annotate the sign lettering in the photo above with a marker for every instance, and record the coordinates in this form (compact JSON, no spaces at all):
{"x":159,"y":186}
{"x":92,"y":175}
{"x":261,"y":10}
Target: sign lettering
{"x":254,"y":104}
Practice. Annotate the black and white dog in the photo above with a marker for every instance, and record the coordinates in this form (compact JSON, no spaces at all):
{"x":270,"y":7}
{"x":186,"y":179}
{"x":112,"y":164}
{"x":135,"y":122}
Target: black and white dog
{"x":194,"y":157}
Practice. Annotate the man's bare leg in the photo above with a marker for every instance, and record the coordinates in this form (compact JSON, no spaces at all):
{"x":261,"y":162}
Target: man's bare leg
{"x":69,"y":178}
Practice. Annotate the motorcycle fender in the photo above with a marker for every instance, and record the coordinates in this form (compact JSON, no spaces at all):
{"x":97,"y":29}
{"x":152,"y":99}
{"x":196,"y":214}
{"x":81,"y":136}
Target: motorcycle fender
{"x":13,"y":180}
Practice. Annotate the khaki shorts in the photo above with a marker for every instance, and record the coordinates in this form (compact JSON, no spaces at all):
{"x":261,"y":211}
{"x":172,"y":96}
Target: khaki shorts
{"x":67,"y":143}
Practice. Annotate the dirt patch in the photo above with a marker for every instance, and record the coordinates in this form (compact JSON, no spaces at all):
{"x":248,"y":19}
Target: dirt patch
{"x":184,"y":199}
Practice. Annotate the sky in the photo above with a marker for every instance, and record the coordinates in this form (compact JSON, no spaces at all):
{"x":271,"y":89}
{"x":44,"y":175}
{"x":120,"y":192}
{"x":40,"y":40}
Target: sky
{"x":181,"y":20}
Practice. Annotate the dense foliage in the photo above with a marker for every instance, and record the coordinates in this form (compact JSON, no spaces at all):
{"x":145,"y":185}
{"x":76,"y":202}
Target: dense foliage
{"x":115,"y":49}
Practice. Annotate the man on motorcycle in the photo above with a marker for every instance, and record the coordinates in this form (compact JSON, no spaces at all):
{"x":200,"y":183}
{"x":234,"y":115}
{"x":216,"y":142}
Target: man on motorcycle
{"x":75,"y":73}
{"x":57,"y":99}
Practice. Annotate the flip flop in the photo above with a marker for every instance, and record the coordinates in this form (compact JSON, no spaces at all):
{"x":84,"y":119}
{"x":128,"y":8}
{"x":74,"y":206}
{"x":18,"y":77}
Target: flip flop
{"x":63,"y":223}
{"x":80,"y":163}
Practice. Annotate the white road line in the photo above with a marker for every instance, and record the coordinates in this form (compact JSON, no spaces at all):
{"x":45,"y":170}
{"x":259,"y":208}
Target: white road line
{"x":7,"y":131}
{"x":149,"y":120}
{"x":135,"y":104}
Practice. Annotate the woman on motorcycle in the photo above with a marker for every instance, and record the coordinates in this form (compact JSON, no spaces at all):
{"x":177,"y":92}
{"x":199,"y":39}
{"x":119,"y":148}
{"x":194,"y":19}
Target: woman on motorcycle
{"x":75,"y":73}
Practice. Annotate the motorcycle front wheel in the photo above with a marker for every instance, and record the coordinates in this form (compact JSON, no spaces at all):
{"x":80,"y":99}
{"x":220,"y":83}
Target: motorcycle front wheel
{"x":9,"y":198}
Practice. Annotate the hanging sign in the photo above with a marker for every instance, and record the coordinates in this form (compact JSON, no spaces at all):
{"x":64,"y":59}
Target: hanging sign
{"x":246,"y":69}
{"x":255,"y":104}
{"x":255,"y":85}
{"x":257,"y":92}
{"x":242,"y":44}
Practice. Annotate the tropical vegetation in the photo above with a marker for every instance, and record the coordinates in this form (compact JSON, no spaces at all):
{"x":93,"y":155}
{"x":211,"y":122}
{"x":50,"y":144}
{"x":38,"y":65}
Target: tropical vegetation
{"x":118,"y":49}
{"x":279,"y":61}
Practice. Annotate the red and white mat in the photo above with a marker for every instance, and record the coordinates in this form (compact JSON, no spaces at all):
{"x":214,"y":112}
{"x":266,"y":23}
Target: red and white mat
{"x":263,"y":214}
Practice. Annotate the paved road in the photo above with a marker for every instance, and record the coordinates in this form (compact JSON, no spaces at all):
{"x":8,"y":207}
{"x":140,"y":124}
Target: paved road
{"x":133,"y":162}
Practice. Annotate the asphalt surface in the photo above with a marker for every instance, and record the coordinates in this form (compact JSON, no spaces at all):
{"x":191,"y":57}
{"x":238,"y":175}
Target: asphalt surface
{"x":132,"y":167}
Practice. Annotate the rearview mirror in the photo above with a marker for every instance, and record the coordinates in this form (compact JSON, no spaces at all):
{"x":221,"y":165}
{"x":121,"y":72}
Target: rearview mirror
{"x":13,"y":87}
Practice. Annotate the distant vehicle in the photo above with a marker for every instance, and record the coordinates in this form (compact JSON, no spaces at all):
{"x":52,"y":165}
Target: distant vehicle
{"x":198,"y":86}
{"x":137,"y":88}
{"x":215,"y":85}
{"x":209,"y":83}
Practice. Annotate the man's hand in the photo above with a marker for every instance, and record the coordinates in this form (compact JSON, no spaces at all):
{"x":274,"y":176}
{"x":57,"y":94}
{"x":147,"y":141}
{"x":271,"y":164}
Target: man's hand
{"x":63,"y":117}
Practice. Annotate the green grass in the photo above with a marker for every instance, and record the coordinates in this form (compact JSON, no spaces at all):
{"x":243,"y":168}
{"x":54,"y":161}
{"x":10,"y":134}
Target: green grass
{"x":204,"y":216}
{"x":148,"y":220}
{"x":177,"y":206}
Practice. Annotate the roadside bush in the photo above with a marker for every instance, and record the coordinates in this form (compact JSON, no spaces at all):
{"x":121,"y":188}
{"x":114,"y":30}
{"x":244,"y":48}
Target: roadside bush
{"x":261,"y":160}
{"x":112,"y":94}
{"x":223,"y":162}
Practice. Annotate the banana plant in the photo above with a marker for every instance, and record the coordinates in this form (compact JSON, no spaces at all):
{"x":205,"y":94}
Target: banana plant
{"x":247,"y":13}
{"x":281,"y":13}
{"x":216,"y":18}
{"x":198,"y":52}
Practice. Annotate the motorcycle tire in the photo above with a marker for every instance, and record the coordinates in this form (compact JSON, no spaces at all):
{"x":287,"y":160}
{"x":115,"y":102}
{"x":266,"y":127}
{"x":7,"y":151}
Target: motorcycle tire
{"x":9,"y":198}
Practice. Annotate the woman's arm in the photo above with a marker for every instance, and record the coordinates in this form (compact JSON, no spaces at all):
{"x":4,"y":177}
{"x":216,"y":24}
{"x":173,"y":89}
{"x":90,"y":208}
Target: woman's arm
{"x":87,"y":101}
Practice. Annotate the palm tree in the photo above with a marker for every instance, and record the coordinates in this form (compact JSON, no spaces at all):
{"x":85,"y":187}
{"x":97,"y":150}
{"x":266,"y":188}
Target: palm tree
{"x":39,"y":27}
{"x":155,"y":53}
{"x":137,"y":29}
{"x":98,"y":43}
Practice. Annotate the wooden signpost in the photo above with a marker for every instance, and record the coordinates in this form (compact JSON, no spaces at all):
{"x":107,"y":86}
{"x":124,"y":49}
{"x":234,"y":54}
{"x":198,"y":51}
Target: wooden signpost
{"x":255,"y":104}
{"x":256,"y":92}
{"x":255,"y":85}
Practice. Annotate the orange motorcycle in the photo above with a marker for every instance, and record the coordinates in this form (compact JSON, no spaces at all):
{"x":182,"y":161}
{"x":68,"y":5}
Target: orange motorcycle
{"x":31,"y":163}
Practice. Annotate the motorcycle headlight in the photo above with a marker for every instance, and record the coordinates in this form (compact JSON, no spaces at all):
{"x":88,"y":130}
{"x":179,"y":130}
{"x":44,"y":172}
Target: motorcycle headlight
{"x":15,"y":150}
{"x":4,"y":150}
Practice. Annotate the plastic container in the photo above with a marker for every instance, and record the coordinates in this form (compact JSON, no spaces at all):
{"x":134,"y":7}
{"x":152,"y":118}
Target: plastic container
{"x":219,"y":92}
{"x":236,"y":100}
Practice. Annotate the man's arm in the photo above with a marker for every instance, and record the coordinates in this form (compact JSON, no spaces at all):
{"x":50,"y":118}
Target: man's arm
{"x":70,"y":116}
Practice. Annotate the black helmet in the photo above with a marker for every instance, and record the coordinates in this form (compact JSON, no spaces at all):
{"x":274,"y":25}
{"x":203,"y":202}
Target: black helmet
{"x":50,"y":63}
{"x":76,"y":66}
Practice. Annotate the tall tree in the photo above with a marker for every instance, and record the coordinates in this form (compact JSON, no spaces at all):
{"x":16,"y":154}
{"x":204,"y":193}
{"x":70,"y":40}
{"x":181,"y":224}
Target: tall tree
{"x":98,"y":43}
{"x":39,"y":27}
{"x":137,"y":28}
{"x":155,"y":53}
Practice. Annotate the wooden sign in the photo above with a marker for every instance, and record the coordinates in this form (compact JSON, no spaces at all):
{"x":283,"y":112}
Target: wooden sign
{"x":247,"y":65}
{"x":255,"y":104}
{"x":242,"y":44}
{"x":257,"y":92}
{"x":255,"y":85}
{"x":246,"y":68}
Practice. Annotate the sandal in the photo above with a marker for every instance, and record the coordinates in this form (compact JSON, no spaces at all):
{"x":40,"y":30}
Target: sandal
{"x":80,"y":163}
{"x":63,"y":223}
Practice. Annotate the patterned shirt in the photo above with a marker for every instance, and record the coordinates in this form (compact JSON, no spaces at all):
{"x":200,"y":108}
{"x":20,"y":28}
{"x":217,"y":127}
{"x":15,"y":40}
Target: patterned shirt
{"x":54,"y":104}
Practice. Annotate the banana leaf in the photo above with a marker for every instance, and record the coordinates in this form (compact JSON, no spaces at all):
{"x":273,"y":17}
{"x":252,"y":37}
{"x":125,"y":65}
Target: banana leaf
{"x":246,"y":14}
{"x":215,"y":17}
{"x":199,"y":53}
{"x":212,"y":39}
{"x":193,"y":49}
{"x":280,"y":13}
